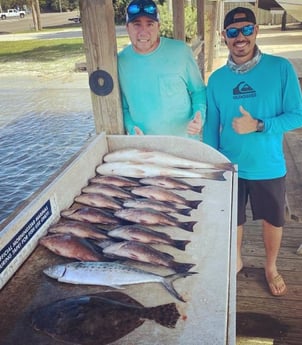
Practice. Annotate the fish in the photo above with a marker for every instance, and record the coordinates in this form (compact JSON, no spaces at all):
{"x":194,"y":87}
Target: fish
{"x":100,"y":318}
{"x":170,"y":183}
{"x":145,"y":253}
{"x":155,"y":205}
{"x":148,"y":216}
{"x":161,"y":158}
{"x":118,"y":181}
{"x":140,"y":170}
{"x":91,"y":215}
{"x":79,"y":229}
{"x":139,"y":233}
{"x":98,"y":200}
{"x":162,"y":194}
{"x":111,"y":274}
{"x":104,"y":189}
{"x":71,"y":246}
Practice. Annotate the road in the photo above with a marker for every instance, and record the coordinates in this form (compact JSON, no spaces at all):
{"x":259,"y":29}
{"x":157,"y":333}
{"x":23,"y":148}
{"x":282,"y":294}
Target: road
{"x":48,"y":20}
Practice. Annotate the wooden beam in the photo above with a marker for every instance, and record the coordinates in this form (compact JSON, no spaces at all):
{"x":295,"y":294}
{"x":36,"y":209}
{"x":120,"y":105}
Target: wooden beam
{"x":97,"y":17}
{"x":179,"y":19}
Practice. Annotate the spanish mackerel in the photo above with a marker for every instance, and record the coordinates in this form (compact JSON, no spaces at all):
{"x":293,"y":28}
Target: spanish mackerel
{"x":161,"y":158}
{"x":111,"y":274}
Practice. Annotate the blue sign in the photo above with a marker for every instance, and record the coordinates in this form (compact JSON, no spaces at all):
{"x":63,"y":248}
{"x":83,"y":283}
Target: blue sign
{"x":18,"y":242}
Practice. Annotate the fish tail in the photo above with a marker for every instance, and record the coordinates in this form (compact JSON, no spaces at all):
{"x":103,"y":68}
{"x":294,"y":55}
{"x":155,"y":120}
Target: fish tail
{"x":184,"y":211}
{"x":180,"y":244}
{"x":166,"y":315}
{"x":168,"y":283}
{"x":194,"y":203}
{"x":197,"y":189}
{"x":188,"y":226}
{"x":180,"y":267}
{"x":215,"y":175}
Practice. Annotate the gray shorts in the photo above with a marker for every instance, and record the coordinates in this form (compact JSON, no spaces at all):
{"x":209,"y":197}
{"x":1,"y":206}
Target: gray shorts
{"x":267,"y":200}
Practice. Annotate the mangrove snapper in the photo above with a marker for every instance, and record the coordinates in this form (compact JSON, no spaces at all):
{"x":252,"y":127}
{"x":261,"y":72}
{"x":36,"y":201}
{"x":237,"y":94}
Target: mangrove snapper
{"x":118,"y":181}
{"x":162,"y":194}
{"x":145,"y":253}
{"x":91,"y":215}
{"x":79,"y":229}
{"x":170,"y":183}
{"x":156,"y":205}
{"x":139,"y":233}
{"x":104,"y":189}
{"x":98,"y":200}
{"x":111,"y":274}
{"x":148,"y":216}
{"x":71,"y":246}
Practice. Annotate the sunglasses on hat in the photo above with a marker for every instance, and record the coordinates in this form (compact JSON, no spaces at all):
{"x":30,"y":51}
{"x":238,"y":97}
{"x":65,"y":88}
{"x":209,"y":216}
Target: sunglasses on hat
{"x":247,"y":30}
{"x":135,"y":9}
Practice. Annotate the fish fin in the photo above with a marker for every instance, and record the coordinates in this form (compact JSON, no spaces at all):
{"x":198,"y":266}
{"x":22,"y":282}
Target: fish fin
{"x":166,"y":315}
{"x":184,"y":211}
{"x":197,"y":189}
{"x":194,"y":203}
{"x":188,"y":226}
{"x":168,"y":283}
{"x":180,"y":244}
{"x":180,"y":267}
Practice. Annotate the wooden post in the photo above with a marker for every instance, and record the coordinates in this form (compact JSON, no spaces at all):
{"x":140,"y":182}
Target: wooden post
{"x":200,"y":6}
{"x":97,"y":17}
{"x":179,"y":19}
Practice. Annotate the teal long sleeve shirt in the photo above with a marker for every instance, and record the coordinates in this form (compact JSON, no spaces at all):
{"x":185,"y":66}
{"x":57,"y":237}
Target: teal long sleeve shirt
{"x":270,"y":92}
{"x":161,"y":91}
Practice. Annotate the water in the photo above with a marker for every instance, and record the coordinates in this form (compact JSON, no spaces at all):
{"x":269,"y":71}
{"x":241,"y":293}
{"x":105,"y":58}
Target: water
{"x":41,"y":127}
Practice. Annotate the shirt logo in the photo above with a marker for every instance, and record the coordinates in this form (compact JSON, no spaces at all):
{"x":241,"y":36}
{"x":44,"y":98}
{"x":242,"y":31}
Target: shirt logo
{"x":243,"y":90}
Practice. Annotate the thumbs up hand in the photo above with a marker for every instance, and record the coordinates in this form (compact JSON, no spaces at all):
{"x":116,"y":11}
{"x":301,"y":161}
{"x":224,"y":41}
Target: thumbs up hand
{"x":245,"y":123}
{"x":194,"y":126}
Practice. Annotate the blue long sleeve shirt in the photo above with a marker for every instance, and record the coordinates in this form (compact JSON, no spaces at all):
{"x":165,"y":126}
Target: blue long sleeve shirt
{"x":161,"y":91}
{"x":270,"y":92}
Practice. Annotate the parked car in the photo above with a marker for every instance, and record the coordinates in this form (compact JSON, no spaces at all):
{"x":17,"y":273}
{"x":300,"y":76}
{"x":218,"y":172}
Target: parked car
{"x":12,"y":13}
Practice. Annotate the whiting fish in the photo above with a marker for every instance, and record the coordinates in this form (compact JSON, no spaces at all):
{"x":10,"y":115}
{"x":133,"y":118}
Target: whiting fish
{"x":148,"y":216}
{"x":79,"y":229}
{"x":118,"y":181}
{"x":145,"y":253}
{"x":71,"y":246}
{"x":156,"y":205}
{"x":170,"y":183}
{"x":99,"y":318}
{"x":111,"y":274}
{"x":98,"y":200}
{"x":104,"y":189}
{"x":91,"y":215}
{"x":147,"y":156}
{"x":139,"y":233}
{"x":140,"y":170}
{"x":162,"y":194}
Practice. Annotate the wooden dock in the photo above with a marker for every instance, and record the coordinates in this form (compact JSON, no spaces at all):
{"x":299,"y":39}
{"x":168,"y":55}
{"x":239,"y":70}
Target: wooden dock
{"x":262,"y":318}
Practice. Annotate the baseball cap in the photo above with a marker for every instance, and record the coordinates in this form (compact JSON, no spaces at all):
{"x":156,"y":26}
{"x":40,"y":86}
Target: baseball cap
{"x":247,"y":15}
{"x":140,"y":8}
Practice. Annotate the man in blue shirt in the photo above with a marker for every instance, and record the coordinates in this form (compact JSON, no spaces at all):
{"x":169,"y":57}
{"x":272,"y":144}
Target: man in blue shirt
{"x":161,"y":86}
{"x":252,"y":101}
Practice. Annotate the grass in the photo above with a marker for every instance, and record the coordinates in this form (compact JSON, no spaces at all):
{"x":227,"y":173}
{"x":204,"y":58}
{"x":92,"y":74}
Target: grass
{"x":53,"y":56}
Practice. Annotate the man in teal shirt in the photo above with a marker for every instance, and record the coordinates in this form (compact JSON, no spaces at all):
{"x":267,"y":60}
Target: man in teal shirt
{"x":252,"y":101}
{"x":161,"y":87}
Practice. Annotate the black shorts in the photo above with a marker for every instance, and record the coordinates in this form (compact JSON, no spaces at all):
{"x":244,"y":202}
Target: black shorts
{"x":267,"y":200}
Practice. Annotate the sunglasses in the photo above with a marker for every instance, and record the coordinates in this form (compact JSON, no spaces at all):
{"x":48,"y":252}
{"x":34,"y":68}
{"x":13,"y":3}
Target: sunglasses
{"x":247,"y":30}
{"x":135,"y":9}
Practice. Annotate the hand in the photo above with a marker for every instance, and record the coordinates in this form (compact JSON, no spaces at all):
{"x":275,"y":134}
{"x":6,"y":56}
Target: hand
{"x":245,"y":123}
{"x":138,"y":131}
{"x":194,"y":126}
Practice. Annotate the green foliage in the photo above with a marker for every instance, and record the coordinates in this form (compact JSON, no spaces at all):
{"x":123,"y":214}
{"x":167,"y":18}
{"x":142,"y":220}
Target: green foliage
{"x":166,"y":22}
{"x":119,"y":7}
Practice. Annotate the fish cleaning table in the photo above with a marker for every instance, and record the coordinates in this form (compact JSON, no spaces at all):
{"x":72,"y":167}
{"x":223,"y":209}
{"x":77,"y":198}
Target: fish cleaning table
{"x":208,"y":315}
